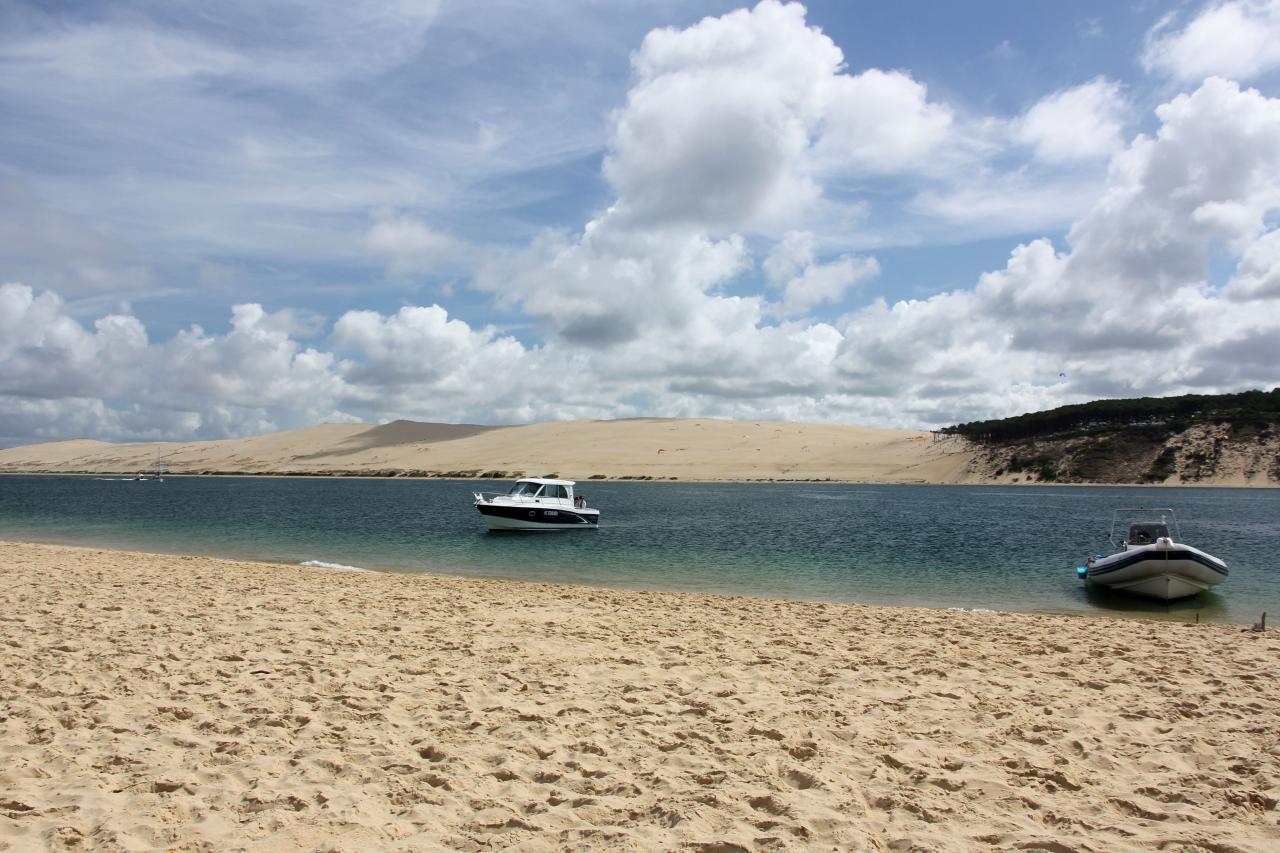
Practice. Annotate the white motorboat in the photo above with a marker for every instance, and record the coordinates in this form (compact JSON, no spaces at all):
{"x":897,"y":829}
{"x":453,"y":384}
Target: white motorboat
{"x":537,"y":503}
{"x":1152,"y":560}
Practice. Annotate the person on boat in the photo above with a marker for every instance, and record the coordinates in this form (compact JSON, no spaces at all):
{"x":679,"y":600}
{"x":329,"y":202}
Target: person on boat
{"x":579,"y":501}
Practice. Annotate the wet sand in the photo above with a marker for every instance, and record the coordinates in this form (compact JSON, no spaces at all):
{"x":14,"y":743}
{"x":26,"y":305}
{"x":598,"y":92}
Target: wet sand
{"x":190,"y":703}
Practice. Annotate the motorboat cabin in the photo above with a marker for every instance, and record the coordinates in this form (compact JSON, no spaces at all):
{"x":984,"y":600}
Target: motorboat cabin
{"x":537,"y":503}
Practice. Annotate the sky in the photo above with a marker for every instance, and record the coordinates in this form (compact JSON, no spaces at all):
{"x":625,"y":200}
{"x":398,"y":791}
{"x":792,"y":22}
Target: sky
{"x":220,"y":220}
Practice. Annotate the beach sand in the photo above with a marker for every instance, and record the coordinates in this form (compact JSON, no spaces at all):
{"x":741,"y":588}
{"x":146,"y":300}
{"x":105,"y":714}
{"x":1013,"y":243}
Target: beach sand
{"x":190,"y":703}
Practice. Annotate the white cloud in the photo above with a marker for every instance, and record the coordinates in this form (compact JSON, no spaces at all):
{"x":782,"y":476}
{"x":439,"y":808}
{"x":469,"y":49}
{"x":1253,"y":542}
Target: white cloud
{"x":726,"y":133}
{"x":640,"y":323}
{"x":1128,"y":309}
{"x":422,"y":349}
{"x":153,"y":138}
{"x":718,"y":122}
{"x":615,"y":285}
{"x":1217,"y":149}
{"x":805,"y":282}
{"x":734,"y":164}
{"x":45,"y":353}
{"x":278,"y":42}
{"x":986,"y":204}
{"x":732,"y":124}
{"x":194,"y":385}
{"x":1238,"y":39}
{"x":408,"y":246}
{"x":881,"y":122}
{"x":826,"y":283}
{"x":123,"y":52}
{"x":1257,"y":276}
{"x":1075,"y":124}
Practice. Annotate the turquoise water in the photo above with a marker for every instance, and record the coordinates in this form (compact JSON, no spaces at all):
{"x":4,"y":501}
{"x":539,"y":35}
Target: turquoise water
{"x":941,"y":546}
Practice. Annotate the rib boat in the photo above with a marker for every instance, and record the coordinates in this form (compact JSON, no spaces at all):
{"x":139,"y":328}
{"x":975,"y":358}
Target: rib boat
{"x":1152,"y":560}
{"x":537,"y":503}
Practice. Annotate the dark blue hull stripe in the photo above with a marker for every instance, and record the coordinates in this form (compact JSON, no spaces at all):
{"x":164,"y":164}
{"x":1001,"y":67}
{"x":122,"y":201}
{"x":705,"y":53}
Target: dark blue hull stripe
{"x":1156,"y":557}
{"x":538,"y":515}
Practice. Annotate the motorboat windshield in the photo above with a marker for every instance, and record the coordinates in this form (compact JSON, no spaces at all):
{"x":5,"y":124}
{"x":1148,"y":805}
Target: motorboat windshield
{"x":1145,"y":534}
{"x":1144,"y":525}
{"x":524,"y":487}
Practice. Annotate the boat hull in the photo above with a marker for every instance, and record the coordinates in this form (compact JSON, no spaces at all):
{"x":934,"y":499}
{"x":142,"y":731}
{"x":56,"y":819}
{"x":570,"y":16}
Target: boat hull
{"x":1163,"y":571}
{"x":524,"y":517}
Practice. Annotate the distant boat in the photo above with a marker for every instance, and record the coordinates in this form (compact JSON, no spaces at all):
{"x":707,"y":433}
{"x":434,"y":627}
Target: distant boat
{"x":537,"y":503}
{"x":157,"y":473}
{"x":1152,"y":561}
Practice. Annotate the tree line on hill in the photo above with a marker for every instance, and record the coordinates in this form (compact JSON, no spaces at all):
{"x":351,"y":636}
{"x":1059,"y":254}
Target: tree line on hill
{"x":1165,"y":413}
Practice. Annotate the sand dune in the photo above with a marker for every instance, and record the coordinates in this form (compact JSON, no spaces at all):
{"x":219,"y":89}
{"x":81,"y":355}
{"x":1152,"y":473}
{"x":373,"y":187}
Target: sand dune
{"x":702,"y":449}
{"x":186,"y":703}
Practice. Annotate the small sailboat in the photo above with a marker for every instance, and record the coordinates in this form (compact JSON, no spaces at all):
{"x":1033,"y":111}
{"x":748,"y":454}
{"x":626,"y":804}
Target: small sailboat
{"x":157,"y":472}
{"x":1152,"y":560}
{"x":537,"y":503}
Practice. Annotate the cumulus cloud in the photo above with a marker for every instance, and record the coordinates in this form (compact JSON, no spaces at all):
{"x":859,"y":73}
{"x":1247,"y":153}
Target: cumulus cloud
{"x":1238,"y":39}
{"x":45,"y":353}
{"x":708,"y":286}
{"x":727,"y":132}
{"x":422,"y":348}
{"x":881,"y":122}
{"x":1124,"y":307}
{"x":194,"y":385}
{"x":719,"y":119}
{"x":1257,"y":276}
{"x":615,"y":285}
{"x":60,"y":379}
{"x":731,"y":123}
{"x":1075,"y":124}
{"x":807,"y":283}
{"x":1128,"y":309}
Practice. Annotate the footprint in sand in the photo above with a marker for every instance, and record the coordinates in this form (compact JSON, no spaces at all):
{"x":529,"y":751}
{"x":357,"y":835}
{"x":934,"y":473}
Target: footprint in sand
{"x":769,"y":805}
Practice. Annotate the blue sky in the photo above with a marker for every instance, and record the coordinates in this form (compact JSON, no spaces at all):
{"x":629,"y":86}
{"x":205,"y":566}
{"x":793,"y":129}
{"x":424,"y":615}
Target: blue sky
{"x":223,"y":220}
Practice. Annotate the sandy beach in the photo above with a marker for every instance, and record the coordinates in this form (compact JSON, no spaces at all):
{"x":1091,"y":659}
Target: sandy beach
{"x":188,"y":703}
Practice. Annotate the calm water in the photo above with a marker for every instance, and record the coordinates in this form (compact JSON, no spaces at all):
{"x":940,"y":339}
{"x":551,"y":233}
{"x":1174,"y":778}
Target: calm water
{"x":946,"y":546}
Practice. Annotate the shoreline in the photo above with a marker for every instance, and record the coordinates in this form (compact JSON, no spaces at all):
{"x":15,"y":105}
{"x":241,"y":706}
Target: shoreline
{"x":1137,"y":609}
{"x":166,"y":701}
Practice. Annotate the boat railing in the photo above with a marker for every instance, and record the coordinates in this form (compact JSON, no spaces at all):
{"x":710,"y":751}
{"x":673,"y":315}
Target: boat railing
{"x":488,"y":497}
{"x":1127,"y":516}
